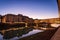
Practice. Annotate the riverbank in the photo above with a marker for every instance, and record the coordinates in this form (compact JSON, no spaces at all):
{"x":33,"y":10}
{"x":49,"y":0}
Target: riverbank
{"x":46,"y":35}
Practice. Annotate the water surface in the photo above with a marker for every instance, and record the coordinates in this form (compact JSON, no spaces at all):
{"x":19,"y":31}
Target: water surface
{"x":20,"y":34}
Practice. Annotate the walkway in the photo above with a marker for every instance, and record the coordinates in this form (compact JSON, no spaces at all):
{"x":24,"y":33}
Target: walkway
{"x":56,"y":36}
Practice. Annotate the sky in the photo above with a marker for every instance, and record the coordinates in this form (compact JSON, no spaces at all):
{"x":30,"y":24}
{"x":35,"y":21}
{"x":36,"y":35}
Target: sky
{"x":36,"y":9}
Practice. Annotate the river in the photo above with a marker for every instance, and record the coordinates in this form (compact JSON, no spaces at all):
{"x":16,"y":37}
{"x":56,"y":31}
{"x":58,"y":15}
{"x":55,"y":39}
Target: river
{"x":21,"y":34}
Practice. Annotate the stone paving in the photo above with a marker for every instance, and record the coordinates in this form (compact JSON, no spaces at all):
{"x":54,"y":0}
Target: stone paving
{"x":56,"y":36}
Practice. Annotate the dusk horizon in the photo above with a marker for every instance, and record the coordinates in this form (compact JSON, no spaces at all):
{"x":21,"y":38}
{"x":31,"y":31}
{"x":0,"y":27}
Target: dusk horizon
{"x":36,"y":9}
{"x":27,"y":16}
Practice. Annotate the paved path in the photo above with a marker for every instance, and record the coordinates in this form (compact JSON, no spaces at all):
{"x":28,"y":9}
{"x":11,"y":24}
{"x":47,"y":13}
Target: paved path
{"x":56,"y":36}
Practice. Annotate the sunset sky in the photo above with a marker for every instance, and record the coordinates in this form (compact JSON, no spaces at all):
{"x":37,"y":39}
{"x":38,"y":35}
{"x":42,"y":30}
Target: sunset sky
{"x":40,"y":9}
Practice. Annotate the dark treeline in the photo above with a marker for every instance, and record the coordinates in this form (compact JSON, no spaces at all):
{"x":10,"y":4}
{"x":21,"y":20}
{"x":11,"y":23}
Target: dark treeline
{"x":16,"y":25}
{"x":7,"y":26}
{"x":4,"y":26}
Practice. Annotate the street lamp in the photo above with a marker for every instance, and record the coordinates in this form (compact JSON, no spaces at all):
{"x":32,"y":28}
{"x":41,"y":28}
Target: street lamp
{"x":58,"y":2}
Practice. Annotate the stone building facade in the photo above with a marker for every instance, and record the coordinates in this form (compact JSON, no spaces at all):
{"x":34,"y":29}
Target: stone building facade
{"x":51,"y":20}
{"x":11,"y":18}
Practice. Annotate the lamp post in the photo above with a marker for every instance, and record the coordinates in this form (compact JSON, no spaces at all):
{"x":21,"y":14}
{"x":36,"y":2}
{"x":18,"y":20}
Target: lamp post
{"x":58,"y":2}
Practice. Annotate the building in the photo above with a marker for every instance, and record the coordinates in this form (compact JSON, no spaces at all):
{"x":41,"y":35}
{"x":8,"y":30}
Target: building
{"x":8,"y":18}
{"x":11,"y":18}
{"x":51,"y":20}
{"x":55,"y":20}
{"x":36,"y":21}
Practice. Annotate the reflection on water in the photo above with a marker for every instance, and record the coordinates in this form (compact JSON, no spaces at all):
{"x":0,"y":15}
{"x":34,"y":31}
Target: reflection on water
{"x":16,"y":34}
{"x":32,"y":32}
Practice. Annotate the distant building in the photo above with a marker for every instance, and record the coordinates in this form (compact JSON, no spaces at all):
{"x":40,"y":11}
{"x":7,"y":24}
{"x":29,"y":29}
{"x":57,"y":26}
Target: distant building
{"x":51,"y":20}
{"x":36,"y":21}
{"x":11,"y":18}
{"x":54,"y":20}
{"x":7,"y":18}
